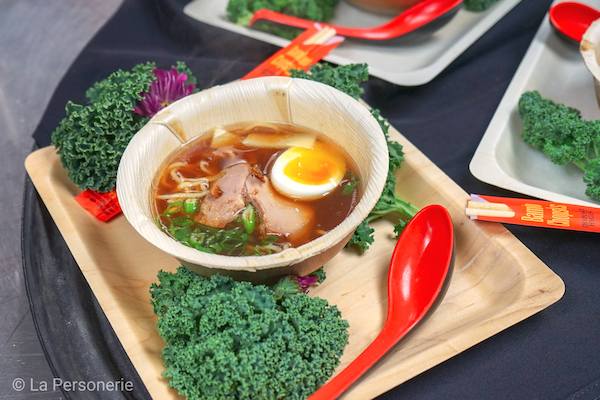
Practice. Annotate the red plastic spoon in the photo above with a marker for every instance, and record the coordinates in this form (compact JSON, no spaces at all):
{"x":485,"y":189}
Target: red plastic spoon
{"x":572,"y":19}
{"x":408,"y":21}
{"x":419,"y":267}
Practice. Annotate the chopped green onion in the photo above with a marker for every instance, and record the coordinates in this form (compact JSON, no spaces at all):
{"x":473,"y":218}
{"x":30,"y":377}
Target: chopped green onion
{"x":269,"y":239}
{"x":190,"y":206}
{"x":350,"y":186}
{"x":227,"y":241}
{"x":173,"y":208}
{"x":249,"y":219}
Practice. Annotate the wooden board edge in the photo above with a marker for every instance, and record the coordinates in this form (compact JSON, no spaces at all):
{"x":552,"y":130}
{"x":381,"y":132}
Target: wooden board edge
{"x":394,"y":377}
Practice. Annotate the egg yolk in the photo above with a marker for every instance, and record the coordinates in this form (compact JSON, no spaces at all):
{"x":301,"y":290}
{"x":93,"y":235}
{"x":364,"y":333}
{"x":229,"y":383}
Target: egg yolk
{"x":315,"y":166}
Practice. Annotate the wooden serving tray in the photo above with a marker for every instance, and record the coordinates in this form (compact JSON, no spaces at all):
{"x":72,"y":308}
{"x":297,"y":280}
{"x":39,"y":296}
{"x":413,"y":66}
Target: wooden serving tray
{"x":496,"y":282}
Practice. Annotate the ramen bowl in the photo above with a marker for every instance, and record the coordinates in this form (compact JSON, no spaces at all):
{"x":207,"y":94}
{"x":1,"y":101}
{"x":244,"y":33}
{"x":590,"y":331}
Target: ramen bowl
{"x":336,"y":115}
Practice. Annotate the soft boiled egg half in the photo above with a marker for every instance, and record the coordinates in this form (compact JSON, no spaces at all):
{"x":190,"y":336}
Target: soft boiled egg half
{"x":308,"y":173}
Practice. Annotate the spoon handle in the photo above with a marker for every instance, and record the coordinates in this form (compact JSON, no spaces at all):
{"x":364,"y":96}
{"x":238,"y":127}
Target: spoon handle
{"x":386,"y":339}
{"x":420,"y":14}
{"x":418,"y":269}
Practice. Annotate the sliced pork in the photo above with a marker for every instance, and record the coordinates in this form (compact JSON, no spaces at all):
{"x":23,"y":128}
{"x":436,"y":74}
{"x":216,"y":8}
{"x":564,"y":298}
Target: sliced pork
{"x":279,"y":215}
{"x":226,"y":197}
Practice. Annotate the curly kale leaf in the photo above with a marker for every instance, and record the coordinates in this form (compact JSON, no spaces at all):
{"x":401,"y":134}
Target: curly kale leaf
{"x":348,"y":79}
{"x":362,"y":238}
{"x":91,"y":138}
{"x":563,"y":136}
{"x":591,"y":177}
{"x":235,"y":340}
{"x":240,"y":12}
{"x":389,"y":204}
{"x":557,"y":130}
{"x":180,"y":66}
{"x":345,"y":78}
{"x":396,"y":152}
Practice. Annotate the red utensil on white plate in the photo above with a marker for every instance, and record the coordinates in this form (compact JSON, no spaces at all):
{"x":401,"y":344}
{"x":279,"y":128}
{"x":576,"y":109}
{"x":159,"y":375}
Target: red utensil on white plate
{"x":411,"y":19}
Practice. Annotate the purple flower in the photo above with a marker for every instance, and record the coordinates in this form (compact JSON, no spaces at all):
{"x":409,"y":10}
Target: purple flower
{"x":170,"y":85}
{"x":305,"y":282}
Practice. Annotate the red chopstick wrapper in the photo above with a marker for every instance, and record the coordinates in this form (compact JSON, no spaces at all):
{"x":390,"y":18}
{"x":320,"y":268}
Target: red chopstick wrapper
{"x":540,"y":213}
{"x":302,"y":53}
{"x":104,"y":206}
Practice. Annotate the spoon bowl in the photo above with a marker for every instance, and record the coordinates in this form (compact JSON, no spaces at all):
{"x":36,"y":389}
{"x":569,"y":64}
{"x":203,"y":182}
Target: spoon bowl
{"x":572,"y":19}
{"x":419,"y":268}
{"x":415,"y":17}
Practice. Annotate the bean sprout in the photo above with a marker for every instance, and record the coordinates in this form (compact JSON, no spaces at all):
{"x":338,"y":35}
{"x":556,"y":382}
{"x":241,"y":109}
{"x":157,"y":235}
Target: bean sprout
{"x":195,"y":180}
{"x":187,"y":184}
{"x":187,"y":195}
{"x":273,"y":247}
{"x":204,"y":167}
{"x":174,"y":173}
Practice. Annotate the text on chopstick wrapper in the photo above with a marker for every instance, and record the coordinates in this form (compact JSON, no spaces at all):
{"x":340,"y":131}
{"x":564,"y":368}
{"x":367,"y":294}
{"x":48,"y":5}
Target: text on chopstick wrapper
{"x":534,"y":213}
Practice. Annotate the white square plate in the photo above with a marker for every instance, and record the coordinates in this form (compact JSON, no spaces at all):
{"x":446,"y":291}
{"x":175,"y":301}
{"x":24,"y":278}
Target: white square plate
{"x":409,"y":61}
{"x":554,"y":67}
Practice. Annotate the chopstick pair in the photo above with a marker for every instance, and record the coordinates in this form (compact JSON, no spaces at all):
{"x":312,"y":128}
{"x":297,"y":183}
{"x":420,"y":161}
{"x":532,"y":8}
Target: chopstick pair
{"x":545,"y":214}
{"x":303,"y":52}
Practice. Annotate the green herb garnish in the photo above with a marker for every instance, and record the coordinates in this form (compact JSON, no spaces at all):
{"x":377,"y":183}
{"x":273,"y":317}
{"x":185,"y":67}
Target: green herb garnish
{"x":227,"y":241}
{"x":190,"y":206}
{"x":235,"y":340}
{"x":563,"y":136}
{"x":92,"y":137}
{"x":350,"y":185}
{"x":174,"y":207}
{"x":240,"y":12}
{"x":265,"y":246}
{"x":234,"y":240}
{"x":346,"y":78}
{"x":249,"y":219}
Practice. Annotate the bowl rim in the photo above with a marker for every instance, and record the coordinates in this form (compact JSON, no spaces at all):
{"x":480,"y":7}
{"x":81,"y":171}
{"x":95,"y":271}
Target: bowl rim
{"x":378,"y":164}
{"x":588,"y":48}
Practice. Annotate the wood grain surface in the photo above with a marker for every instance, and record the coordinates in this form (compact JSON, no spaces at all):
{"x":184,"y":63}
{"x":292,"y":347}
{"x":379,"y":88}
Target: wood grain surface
{"x":496,"y":282}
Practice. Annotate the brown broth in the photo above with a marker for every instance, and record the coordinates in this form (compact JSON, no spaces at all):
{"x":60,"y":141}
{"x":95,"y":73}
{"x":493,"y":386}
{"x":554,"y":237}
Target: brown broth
{"x":328,"y":211}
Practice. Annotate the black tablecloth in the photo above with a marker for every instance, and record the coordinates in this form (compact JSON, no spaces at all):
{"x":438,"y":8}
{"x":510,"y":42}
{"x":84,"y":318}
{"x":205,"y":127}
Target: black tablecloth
{"x":552,"y":355}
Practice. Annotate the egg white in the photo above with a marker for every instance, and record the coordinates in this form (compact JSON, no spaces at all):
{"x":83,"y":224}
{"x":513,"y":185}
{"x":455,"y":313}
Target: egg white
{"x":297,"y":190}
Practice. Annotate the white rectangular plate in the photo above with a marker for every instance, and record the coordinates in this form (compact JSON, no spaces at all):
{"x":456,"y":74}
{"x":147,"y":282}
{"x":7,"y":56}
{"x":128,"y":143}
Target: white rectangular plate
{"x":409,"y":61}
{"x":554,"y":67}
